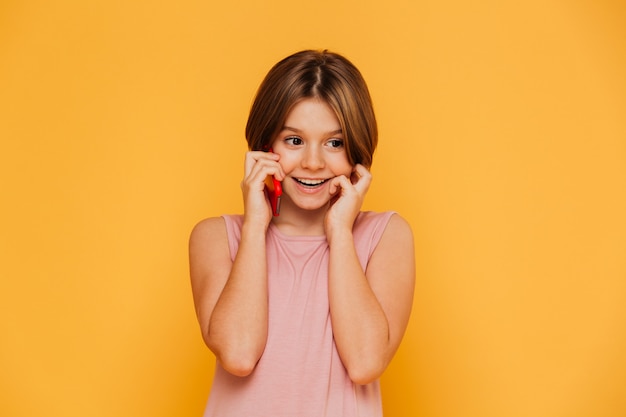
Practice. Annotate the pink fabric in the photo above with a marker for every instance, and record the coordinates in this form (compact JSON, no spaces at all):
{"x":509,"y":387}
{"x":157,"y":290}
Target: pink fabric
{"x":300,"y":373}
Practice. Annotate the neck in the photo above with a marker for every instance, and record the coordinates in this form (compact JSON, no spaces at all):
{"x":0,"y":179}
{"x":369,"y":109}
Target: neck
{"x":299,"y":222}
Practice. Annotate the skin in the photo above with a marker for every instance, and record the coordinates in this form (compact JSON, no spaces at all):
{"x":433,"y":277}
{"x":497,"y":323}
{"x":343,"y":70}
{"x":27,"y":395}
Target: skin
{"x":322,"y":195}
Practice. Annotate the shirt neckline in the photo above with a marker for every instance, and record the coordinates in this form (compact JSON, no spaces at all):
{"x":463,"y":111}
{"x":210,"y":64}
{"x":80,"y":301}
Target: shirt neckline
{"x":302,"y":238}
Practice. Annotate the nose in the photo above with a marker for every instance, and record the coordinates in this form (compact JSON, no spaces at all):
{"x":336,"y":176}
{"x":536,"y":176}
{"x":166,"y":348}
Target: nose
{"x":313,"y":158}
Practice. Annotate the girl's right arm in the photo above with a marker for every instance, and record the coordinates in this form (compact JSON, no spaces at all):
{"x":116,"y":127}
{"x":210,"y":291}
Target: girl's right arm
{"x":231,"y":296}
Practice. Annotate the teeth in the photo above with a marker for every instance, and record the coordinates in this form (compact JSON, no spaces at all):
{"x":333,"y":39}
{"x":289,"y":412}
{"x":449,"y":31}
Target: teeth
{"x":310,"y":182}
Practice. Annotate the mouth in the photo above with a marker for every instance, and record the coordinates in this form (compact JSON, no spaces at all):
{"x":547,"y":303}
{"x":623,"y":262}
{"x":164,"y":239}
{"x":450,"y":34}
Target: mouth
{"x":310,"y":183}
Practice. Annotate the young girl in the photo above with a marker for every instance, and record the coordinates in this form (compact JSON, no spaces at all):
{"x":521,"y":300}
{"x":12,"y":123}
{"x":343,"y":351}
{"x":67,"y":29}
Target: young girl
{"x":304,"y":310}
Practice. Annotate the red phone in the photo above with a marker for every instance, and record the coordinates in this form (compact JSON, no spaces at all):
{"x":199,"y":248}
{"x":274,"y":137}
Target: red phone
{"x":274,"y":191}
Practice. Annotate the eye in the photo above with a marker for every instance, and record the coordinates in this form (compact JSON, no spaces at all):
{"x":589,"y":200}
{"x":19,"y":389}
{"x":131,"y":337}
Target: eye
{"x":335,"y":143}
{"x":293,"y":140}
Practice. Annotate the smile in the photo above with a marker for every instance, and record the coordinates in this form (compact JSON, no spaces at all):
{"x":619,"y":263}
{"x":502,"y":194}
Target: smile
{"x":310,"y":183}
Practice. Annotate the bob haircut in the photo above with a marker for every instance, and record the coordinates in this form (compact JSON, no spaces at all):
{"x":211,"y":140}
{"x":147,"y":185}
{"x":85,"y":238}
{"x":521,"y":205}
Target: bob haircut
{"x":315,"y":74}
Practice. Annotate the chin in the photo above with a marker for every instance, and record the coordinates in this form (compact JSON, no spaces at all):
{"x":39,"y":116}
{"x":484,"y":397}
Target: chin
{"x":312,"y":206}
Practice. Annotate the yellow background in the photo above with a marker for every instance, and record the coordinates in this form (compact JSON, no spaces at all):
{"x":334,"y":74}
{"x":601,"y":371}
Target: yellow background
{"x":503,"y":142}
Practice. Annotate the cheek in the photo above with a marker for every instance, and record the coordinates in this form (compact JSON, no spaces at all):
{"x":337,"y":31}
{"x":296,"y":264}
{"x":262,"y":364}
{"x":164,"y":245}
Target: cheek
{"x":287,"y":163}
{"x":343,"y":167}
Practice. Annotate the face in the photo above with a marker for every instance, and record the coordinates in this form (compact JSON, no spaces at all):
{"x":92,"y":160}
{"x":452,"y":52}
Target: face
{"x":312,"y":152}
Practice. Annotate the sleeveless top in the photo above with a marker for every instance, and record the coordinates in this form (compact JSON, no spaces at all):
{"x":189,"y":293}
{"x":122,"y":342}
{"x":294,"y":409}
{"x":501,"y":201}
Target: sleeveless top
{"x":300,"y":373}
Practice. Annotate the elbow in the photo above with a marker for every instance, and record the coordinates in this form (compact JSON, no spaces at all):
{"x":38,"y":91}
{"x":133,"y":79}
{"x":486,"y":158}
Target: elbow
{"x":363,"y":373}
{"x":238,"y":366}
{"x":365,"y":366}
{"x":238,"y":356}
{"x":238,"y":362}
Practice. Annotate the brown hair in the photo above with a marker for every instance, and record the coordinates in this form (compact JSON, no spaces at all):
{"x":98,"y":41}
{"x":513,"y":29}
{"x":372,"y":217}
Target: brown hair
{"x":320,"y":74}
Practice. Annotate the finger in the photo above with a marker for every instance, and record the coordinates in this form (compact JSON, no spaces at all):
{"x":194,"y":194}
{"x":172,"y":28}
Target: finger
{"x":339,"y":184}
{"x":361,"y":171}
{"x":334,"y":186}
{"x":261,"y":170}
{"x":363,"y":178}
{"x":253,"y":157}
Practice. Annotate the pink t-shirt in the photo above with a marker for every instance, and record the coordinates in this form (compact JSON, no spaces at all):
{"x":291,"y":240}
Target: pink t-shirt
{"x":300,"y":373}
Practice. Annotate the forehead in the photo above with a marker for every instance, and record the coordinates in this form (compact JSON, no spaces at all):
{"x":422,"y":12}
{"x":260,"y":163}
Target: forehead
{"x":312,"y":113}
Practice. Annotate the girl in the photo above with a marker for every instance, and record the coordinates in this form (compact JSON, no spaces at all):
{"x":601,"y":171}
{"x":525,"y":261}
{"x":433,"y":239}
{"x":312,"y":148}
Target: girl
{"x":304,"y":310}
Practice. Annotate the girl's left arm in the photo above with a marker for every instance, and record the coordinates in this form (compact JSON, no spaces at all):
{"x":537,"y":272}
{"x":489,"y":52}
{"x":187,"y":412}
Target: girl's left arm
{"x":370,"y":309}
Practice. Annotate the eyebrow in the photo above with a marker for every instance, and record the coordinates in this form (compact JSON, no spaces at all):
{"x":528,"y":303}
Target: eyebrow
{"x":296,"y":130}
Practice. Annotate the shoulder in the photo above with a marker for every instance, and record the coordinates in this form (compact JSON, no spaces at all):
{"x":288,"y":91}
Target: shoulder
{"x":217,"y":225}
{"x":217,"y":235}
{"x":389,"y":228}
{"x":208,"y":244}
{"x":399,"y":227}
{"x":208,"y":227}
{"x":395,"y":250}
{"x":387,"y":222}
{"x":397,"y":236}
{"x":375,"y":230}
{"x":371,"y":219}
{"x":209,"y":232}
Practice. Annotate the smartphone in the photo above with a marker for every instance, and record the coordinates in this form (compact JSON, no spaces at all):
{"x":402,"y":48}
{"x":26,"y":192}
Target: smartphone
{"x":274,"y":191}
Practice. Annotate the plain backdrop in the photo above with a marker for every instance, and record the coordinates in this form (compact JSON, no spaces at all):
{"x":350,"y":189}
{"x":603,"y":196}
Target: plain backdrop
{"x":502,"y":142}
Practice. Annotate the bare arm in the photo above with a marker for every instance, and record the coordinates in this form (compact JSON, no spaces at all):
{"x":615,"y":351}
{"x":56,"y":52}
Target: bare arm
{"x":369,"y":310}
{"x":231,"y":296}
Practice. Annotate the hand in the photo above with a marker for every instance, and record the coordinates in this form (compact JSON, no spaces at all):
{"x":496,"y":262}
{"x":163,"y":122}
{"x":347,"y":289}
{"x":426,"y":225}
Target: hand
{"x":348,"y":196}
{"x":258,"y":166}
